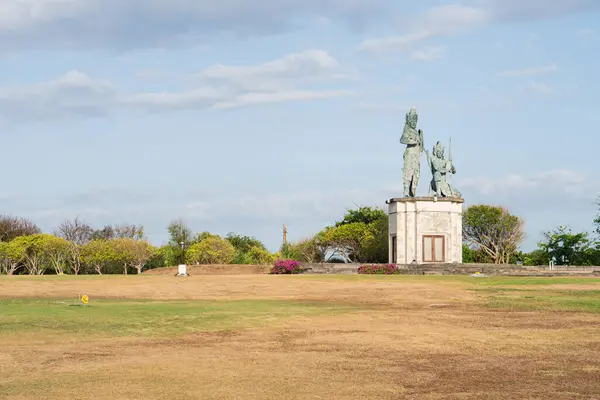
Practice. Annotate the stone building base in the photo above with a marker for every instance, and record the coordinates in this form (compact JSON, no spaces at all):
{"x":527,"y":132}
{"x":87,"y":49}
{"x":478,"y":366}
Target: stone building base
{"x":425,"y":230}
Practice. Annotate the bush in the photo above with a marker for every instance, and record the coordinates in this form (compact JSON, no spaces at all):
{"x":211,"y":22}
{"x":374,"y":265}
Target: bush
{"x":287,"y":267}
{"x":379,"y":269}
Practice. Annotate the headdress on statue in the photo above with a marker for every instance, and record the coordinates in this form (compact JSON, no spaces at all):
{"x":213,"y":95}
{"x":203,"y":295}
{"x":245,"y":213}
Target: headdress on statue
{"x":412,"y":115}
{"x":438,"y":148}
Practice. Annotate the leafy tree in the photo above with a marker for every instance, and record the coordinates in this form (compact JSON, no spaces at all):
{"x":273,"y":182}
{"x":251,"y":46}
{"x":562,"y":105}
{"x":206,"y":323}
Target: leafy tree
{"x":13,"y":227}
{"x":132,"y":253}
{"x":179,"y":234}
{"x":35,"y":247}
{"x":347,"y":241}
{"x":75,"y":231}
{"x":364,"y":215}
{"x":243,"y":244}
{"x":98,"y":254}
{"x":56,"y":251}
{"x":361,"y":236}
{"x":74,"y":256}
{"x":567,"y":248}
{"x":494,"y":231}
{"x":259,"y":256}
{"x":536,"y":258}
{"x":214,"y":250}
{"x":12,"y":255}
{"x":309,"y":250}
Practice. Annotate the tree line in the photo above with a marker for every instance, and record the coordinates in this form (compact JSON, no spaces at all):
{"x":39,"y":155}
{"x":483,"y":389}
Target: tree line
{"x":491,"y":234}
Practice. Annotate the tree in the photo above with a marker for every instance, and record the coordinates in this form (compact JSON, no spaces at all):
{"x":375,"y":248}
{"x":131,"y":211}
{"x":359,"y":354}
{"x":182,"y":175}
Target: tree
{"x":75,"y":231}
{"x":243,"y":244}
{"x":74,"y":256}
{"x":133,"y":253}
{"x":98,"y":254}
{"x":13,"y":227}
{"x":12,"y":255}
{"x":124,"y":231}
{"x":35,"y":247}
{"x":347,"y":241}
{"x":56,"y":251}
{"x":180,"y":235}
{"x":567,"y":248}
{"x":259,"y":256}
{"x":309,"y":250}
{"x":214,"y":250}
{"x":375,"y":246}
{"x":494,"y":231}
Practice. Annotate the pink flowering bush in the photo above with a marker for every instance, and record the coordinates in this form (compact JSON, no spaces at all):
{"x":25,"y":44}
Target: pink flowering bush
{"x":286,"y":267}
{"x":379,"y":269}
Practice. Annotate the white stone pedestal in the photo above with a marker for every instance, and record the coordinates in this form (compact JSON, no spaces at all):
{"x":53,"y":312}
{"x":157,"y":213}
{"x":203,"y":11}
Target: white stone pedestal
{"x":425,"y":230}
{"x":182,"y":270}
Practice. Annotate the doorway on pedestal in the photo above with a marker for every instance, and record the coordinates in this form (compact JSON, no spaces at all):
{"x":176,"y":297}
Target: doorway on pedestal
{"x":434,"y":249}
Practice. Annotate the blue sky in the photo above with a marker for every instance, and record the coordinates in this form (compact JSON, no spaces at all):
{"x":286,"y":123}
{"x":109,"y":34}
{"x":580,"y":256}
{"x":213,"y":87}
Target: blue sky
{"x":243,"y":115}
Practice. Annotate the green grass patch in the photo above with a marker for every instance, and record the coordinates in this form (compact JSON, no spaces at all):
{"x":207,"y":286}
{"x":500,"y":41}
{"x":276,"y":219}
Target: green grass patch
{"x":150,"y":318}
{"x":547,"y":302}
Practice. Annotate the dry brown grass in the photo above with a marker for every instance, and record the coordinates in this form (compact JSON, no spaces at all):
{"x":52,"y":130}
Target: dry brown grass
{"x":413,"y":339}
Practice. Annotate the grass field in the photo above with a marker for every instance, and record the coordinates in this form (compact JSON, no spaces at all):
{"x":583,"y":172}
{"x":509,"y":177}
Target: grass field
{"x":299,"y":337}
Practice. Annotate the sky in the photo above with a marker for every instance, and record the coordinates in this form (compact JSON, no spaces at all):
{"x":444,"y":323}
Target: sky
{"x":244,"y":115}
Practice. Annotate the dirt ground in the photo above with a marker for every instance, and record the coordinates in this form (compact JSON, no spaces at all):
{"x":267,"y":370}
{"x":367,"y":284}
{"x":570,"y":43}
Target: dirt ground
{"x":414,"y":339}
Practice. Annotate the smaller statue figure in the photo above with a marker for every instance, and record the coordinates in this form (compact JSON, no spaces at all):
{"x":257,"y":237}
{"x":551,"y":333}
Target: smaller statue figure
{"x":441,"y":169}
{"x":413,"y":139}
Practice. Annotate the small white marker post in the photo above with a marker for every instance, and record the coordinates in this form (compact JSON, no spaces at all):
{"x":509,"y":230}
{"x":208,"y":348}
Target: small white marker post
{"x":182,"y":269}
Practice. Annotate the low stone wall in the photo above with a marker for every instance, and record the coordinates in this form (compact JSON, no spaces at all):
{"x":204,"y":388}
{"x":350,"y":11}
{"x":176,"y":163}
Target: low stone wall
{"x":459,"y":269}
{"x":494,"y":269}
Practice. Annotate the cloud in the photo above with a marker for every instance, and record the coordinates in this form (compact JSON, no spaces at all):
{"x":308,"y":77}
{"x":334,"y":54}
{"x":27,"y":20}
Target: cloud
{"x":541,"y":88}
{"x":519,"y":10}
{"x":130,"y":24}
{"x":428,"y":53}
{"x":75,"y":94}
{"x":552,"y":184}
{"x":586,"y":33}
{"x":438,"y":21}
{"x":454,"y":19}
{"x":284,"y":73}
{"x":394,"y":43}
{"x":532,"y":71}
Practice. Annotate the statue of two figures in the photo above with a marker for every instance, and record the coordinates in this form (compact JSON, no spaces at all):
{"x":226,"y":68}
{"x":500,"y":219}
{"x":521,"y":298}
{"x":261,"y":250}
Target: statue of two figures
{"x":441,"y":169}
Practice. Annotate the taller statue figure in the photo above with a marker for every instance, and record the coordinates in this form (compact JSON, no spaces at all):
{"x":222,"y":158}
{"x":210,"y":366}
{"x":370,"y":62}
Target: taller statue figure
{"x":413,"y":139}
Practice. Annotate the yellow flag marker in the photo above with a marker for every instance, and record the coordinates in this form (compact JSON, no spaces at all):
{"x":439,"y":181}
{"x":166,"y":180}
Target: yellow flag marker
{"x":85,"y":299}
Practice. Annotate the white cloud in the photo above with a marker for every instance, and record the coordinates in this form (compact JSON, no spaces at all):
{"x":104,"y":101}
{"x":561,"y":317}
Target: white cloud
{"x":586,"y":33}
{"x":114,"y":24}
{"x":452,"y":19}
{"x":541,"y":88}
{"x":276,"y":75}
{"x":77,"y":95}
{"x":430,"y":53}
{"x":550,"y":184}
{"x":532,"y":71}
{"x":438,"y":21}
{"x":394,"y":43}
